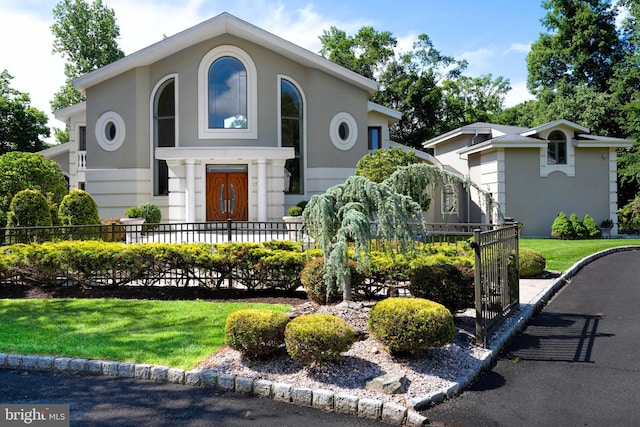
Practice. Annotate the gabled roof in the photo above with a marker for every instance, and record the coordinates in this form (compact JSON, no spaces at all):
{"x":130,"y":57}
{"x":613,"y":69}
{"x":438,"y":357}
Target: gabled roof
{"x":394,"y":115}
{"x":521,"y":137}
{"x":63,"y":114}
{"x":214,"y":27}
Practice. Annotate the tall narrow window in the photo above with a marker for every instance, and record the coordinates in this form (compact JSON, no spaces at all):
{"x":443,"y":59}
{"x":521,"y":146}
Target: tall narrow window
{"x":164,"y":129}
{"x":375,"y":137}
{"x":82,"y":138}
{"x":557,"y":148}
{"x":227,"y":94}
{"x":291,"y":131}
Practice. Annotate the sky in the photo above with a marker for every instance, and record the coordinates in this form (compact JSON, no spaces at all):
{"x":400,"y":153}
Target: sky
{"x":493,"y":36}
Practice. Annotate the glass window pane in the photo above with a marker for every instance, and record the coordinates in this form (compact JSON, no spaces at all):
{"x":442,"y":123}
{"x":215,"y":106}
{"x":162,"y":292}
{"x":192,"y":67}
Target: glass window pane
{"x":227,"y":94}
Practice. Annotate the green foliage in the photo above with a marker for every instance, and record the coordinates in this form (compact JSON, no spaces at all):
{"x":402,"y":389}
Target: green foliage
{"x":629,"y":215}
{"x":315,"y":284}
{"x":380,"y":164}
{"x":532,"y":263}
{"x":411,"y":325}
{"x":150,"y":212}
{"x":295,"y":211}
{"x":578,"y":227}
{"x":78,"y":208}
{"x":562,"y":227}
{"x":29,"y":208}
{"x":447,"y":284}
{"x":593,"y":231}
{"x":256,"y":333}
{"x":22,"y":171}
{"x":21,"y":125}
{"x":86,"y":35}
{"x":318,"y":338}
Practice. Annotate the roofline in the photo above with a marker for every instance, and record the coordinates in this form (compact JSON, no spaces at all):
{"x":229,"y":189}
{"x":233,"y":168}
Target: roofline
{"x":555,"y":123}
{"x":224,"y":23}
{"x":56,"y":150}
{"x":456,"y":132}
{"x":63,"y":114}
{"x":394,"y":114}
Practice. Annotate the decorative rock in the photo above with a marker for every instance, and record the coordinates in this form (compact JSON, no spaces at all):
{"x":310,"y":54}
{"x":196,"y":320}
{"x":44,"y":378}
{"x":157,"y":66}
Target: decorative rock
{"x":126,"y":370}
{"x":29,"y":362}
{"x":44,"y":363}
{"x":208,"y":378}
{"x":369,"y":408}
{"x":159,"y":373}
{"x":244,"y":384}
{"x":110,"y":368}
{"x":282,"y":392}
{"x":323,"y":399}
{"x":61,"y":364}
{"x":302,"y":396}
{"x":175,"y":375}
{"x":192,"y":377}
{"x":226,"y":382}
{"x":14,"y":361}
{"x":392,"y":413}
{"x":389,"y":384}
{"x":94,"y":367}
{"x":346,"y":404}
{"x":416,"y":419}
{"x":262,"y":388}
{"x":142,"y":371}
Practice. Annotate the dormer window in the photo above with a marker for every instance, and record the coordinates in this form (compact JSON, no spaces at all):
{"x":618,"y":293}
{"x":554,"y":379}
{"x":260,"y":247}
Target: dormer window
{"x":557,"y":148}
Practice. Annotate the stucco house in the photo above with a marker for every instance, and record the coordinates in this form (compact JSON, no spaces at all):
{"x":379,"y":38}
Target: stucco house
{"x":223,"y":120}
{"x":532,"y":173}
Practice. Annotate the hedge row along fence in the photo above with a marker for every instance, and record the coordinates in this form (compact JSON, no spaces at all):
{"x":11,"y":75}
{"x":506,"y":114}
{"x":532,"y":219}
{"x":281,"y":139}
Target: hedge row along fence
{"x":271,"y":265}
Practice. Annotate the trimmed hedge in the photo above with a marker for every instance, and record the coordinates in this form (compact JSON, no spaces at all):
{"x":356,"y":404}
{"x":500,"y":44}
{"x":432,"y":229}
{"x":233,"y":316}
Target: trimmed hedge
{"x":410,"y":326}
{"x":448,"y":284}
{"x":255,"y":332}
{"x":318,"y":338}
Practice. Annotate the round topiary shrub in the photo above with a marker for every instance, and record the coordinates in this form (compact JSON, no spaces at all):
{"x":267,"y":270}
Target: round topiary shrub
{"x":312,"y":278}
{"x":29,"y":208}
{"x":255,"y":332}
{"x":532,"y":263}
{"x":411,"y":325}
{"x":447,"y":284}
{"x":318,"y":338}
{"x":78,"y":208}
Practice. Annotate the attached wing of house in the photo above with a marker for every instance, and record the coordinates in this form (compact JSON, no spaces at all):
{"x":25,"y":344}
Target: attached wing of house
{"x":535,"y":173}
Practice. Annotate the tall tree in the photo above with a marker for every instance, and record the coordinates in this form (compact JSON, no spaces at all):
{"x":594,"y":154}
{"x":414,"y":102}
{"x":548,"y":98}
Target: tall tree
{"x":21,"y":125}
{"x":581,"y":46}
{"x":86,"y":35}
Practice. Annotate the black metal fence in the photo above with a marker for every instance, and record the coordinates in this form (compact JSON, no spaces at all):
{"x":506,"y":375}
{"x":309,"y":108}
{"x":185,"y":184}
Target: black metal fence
{"x":496,"y":278}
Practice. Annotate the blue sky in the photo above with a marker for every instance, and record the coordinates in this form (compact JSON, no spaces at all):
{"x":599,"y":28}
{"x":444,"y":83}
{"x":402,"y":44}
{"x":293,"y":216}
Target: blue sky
{"x":493,"y":36}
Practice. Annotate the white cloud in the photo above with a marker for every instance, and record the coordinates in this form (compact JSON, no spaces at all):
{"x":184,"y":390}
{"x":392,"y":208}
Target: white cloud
{"x":518,"y":94}
{"x":518,"y":48}
{"x":480,"y":60}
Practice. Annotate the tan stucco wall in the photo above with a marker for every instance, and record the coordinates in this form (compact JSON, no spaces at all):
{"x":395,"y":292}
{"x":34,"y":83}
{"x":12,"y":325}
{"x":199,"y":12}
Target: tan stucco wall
{"x":537,"y":201}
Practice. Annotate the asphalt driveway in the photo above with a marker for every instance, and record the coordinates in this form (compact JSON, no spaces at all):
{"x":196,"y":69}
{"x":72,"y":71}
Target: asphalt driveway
{"x":576,"y":364}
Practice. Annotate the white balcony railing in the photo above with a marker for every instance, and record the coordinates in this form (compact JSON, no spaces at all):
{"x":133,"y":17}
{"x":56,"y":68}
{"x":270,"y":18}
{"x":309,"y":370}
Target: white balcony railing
{"x":82,"y":160}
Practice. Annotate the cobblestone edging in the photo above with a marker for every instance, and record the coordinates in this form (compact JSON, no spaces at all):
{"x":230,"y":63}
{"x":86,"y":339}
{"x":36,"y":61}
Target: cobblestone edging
{"x":387,"y":412}
{"x":517,"y":325}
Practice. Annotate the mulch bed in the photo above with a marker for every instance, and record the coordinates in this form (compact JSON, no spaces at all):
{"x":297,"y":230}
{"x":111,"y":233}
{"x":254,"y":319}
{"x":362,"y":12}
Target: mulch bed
{"x":12,"y":291}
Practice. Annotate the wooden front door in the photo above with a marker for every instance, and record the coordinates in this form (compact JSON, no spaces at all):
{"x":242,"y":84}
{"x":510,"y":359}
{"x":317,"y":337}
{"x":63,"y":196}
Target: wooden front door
{"x":227,"y":193}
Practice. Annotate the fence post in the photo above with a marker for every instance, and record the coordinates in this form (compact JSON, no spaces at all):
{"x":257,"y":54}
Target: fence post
{"x":480,"y":327}
{"x":229,"y":237}
{"x":113,"y":231}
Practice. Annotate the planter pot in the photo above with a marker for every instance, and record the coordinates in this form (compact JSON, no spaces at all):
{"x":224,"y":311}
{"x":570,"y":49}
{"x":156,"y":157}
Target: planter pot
{"x":133,"y":228}
{"x":294,"y":225}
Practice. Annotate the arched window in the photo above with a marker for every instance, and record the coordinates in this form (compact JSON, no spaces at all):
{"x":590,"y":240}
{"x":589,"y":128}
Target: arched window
{"x":557,"y":148}
{"x":164,"y":132}
{"x":292,"y":133}
{"x":227,"y":94}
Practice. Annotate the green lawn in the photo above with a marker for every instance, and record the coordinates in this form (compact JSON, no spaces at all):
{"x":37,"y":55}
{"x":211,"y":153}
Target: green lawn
{"x":562,"y":254}
{"x":169,"y":333}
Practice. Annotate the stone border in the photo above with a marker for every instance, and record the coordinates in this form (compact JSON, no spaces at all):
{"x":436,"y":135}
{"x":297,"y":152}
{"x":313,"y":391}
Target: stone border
{"x":327,"y":400}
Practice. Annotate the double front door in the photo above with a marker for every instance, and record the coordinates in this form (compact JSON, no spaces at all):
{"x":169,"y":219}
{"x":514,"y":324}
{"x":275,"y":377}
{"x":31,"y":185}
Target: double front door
{"x":227,"y":193}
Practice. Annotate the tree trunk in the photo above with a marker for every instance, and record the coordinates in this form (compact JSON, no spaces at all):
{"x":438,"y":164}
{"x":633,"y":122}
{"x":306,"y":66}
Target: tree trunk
{"x":346,"y":287}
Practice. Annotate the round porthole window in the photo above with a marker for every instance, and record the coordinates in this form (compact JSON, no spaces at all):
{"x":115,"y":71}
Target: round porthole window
{"x":110,"y":131}
{"x":343,"y":131}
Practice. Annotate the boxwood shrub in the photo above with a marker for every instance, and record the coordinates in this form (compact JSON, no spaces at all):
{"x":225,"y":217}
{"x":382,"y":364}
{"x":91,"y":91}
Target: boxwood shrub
{"x":255,"y":332}
{"x":318,"y":338}
{"x":532,"y":263}
{"x":448,"y":284}
{"x":313,"y":280}
{"x":410,"y":326}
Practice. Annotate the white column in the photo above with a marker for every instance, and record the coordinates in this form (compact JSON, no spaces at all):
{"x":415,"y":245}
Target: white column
{"x":190,"y":191}
{"x":262,"y":189}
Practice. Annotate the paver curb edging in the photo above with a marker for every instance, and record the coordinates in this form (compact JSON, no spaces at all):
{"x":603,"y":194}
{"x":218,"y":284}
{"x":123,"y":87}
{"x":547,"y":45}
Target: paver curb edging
{"x":386,"y":412}
{"x":518,"y":323}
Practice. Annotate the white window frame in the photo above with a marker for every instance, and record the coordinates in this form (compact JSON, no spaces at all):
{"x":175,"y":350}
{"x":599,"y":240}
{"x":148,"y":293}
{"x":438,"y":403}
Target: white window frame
{"x":152,"y":135}
{"x":303,"y":149}
{"x":114,"y":119}
{"x":204,"y":132}
{"x":449,"y":204}
{"x":343,"y":118}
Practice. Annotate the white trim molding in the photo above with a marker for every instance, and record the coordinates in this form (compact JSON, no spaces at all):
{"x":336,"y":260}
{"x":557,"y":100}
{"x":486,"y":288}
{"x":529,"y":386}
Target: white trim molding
{"x":349,"y":126}
{"x":110,"y":131}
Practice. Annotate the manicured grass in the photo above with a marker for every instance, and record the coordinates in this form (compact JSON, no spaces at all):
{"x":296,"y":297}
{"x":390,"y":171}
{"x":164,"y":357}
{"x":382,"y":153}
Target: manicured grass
{"x":169,"y":333}
{"x":562,"y":254}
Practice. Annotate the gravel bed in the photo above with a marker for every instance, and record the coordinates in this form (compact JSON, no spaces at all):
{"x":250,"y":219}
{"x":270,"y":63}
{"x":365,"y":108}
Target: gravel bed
{"x":432,"y":372}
